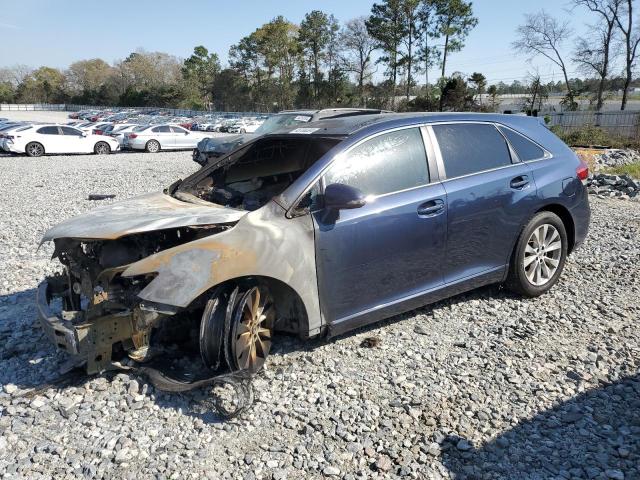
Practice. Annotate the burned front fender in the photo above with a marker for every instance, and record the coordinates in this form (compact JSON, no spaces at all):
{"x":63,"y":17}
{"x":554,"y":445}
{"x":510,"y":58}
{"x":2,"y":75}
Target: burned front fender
{"x":263,"y":243}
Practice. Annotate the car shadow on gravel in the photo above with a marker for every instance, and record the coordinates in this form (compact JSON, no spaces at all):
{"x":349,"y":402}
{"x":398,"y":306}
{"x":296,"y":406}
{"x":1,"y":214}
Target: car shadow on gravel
{"x":593,"y":435}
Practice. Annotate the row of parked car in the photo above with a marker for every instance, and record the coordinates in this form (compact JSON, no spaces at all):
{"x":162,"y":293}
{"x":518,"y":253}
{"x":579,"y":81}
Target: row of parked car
{"x":206,"y":122}
{"x":105,"y":132}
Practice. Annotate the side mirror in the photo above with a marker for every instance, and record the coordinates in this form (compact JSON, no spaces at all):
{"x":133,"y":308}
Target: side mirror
{"x":84,"y":134}
{"x":186,"y":133}
{"x":338,"y":196}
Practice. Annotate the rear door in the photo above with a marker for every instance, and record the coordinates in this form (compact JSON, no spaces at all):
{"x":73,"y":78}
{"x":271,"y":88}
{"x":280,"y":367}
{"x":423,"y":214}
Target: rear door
{"x":490,"y":196}
{"x":391,"y":248}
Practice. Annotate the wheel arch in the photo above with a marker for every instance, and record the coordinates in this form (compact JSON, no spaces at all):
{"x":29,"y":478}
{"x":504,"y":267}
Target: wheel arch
{"x":567,"y":219}
{"x":290,"y":308}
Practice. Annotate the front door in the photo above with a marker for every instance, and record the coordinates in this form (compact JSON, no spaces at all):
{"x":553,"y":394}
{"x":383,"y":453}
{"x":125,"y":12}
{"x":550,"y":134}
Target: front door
{"x":391,"y":248}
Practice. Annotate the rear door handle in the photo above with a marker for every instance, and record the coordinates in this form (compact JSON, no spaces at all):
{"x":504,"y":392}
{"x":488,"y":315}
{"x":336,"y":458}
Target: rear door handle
{"x":519,"y":182}
{"x":432,"y":207}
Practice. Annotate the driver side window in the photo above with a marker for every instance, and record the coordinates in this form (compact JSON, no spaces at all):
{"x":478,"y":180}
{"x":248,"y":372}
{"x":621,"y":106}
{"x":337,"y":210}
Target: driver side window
{"x":384,"y":164}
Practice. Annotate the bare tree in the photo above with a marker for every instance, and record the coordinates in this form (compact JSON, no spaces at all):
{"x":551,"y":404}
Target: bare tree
{"x":544,"y":35}
{"x":631,"y":38}
{"x":593,"y":53}
{"x":358,"y":46}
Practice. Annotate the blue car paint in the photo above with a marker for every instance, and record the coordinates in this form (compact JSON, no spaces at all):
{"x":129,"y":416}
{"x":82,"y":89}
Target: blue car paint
{"x":379,"y":253}
{"x":382,"y":259}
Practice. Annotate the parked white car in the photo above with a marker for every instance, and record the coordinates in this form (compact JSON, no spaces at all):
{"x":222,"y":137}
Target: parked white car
{"x":245,"y":126}
{"x":154,"y":138}
{"x":44,"y":139}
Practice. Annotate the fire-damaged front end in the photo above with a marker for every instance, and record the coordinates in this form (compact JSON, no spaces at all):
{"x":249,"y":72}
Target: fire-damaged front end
{"x":89,"y":308}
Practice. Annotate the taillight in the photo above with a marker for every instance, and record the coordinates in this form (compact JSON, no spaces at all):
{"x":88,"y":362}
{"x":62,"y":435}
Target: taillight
{"x":9,"y":137}
{"x":582,"y":171}
{"x":133,"y":135}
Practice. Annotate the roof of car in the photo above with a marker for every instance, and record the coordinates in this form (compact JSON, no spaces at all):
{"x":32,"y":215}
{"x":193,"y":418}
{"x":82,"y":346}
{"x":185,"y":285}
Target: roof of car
{"x":345,"y":126}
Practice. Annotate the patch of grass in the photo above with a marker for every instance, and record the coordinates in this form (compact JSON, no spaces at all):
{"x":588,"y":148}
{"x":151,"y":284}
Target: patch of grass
{"x":633,"y":170}
{"x":591,"y":135}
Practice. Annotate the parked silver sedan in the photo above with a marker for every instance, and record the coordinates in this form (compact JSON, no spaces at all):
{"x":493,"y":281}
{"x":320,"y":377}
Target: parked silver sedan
{"x":154,"y":138}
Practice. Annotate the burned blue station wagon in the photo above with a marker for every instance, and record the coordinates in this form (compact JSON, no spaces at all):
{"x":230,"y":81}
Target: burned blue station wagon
{"x":316,"y":230}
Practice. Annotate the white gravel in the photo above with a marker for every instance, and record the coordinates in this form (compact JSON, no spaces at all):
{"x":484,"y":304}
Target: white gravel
{"x":48,"y":117}
{"x":485,"y":385}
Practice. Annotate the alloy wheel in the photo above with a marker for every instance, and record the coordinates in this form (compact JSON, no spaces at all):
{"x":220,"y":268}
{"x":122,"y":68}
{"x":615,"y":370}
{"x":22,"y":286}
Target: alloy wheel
{"x":35,"y":150}
{"x":102,"y":148}
{"x":255,"y":314}
{"x":542,"y":254}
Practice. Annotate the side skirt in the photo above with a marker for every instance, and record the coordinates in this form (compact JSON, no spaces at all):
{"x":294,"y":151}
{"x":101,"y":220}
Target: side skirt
{"x":421,"y":299}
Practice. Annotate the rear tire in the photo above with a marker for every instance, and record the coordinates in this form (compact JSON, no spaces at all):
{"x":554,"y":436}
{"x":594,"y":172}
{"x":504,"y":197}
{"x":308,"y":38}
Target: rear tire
{"x":102,"y":148}
{"x":539,"y":257}
{"x":34,"y":149}
{"x":152,"y":146}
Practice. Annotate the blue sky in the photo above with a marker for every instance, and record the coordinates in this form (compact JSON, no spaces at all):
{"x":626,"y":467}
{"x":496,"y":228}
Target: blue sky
{"x":58,"y":32}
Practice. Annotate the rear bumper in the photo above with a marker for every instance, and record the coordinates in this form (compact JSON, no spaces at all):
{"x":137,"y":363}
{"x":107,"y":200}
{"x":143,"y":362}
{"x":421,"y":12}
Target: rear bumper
{"x":581,"y":214}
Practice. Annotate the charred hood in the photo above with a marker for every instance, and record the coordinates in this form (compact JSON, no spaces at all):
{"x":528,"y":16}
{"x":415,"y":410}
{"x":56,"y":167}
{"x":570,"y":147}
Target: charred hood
{"x":145,"y":213}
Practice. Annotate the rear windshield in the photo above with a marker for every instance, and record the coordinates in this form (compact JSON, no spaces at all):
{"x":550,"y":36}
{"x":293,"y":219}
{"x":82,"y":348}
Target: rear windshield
{"x":141,"y":128}
{"x":257,"y":172}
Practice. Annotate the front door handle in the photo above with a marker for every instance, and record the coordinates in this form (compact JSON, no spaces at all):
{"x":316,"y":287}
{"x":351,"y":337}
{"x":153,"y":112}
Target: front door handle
{"x":432,"y":207}
{"x":519,"y":182}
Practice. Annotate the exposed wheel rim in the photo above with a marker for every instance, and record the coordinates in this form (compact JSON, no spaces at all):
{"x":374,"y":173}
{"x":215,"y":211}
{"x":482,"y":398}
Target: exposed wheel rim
{"x":35,"y":150}
{"x":102,"y":148}
{"x":153,"y":147}
{"x":255,"y":314}
{"x":542,"y":255}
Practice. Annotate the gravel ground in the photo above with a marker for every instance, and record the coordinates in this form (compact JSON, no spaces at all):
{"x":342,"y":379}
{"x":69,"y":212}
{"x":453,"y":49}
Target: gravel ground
{"x":53,"y":117}
{"x":484,"y":385}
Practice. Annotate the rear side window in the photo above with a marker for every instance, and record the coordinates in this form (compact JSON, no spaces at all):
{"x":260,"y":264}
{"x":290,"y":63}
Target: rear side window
{"x":525,"y":148}
{"x":48,"y":130}
{"x":384,"y":164}
{"x":162,"y":129}
{"x":178,"y":130}
{"x":470,"y":148}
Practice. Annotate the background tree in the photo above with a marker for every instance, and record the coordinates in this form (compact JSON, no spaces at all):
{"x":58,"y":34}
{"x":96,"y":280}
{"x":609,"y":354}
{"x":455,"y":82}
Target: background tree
{"x":336,"y":76}
{"x":631,"y":38}
{"x":314,"y":35}
{"x":479,"y":83}
{"x":411,"y":37}
{"x":89,"y":81}
{"x":428,"y":52}
{"x":45,"y":84}
{"x":456,"y":96}
{"x":455,"y":20}
{"x":277,"y":42}
{"x":199,"y":72}
{"x":593,"y":53}
{"x":385,"y":26}
{"x":543,"y":35}
{"x":358,"y":46}
{"x":493,"y":96}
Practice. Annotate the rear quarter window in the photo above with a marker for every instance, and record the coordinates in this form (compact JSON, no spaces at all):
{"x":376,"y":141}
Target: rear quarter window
{"x":525,"y":148}
{"x":469,"y":148}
